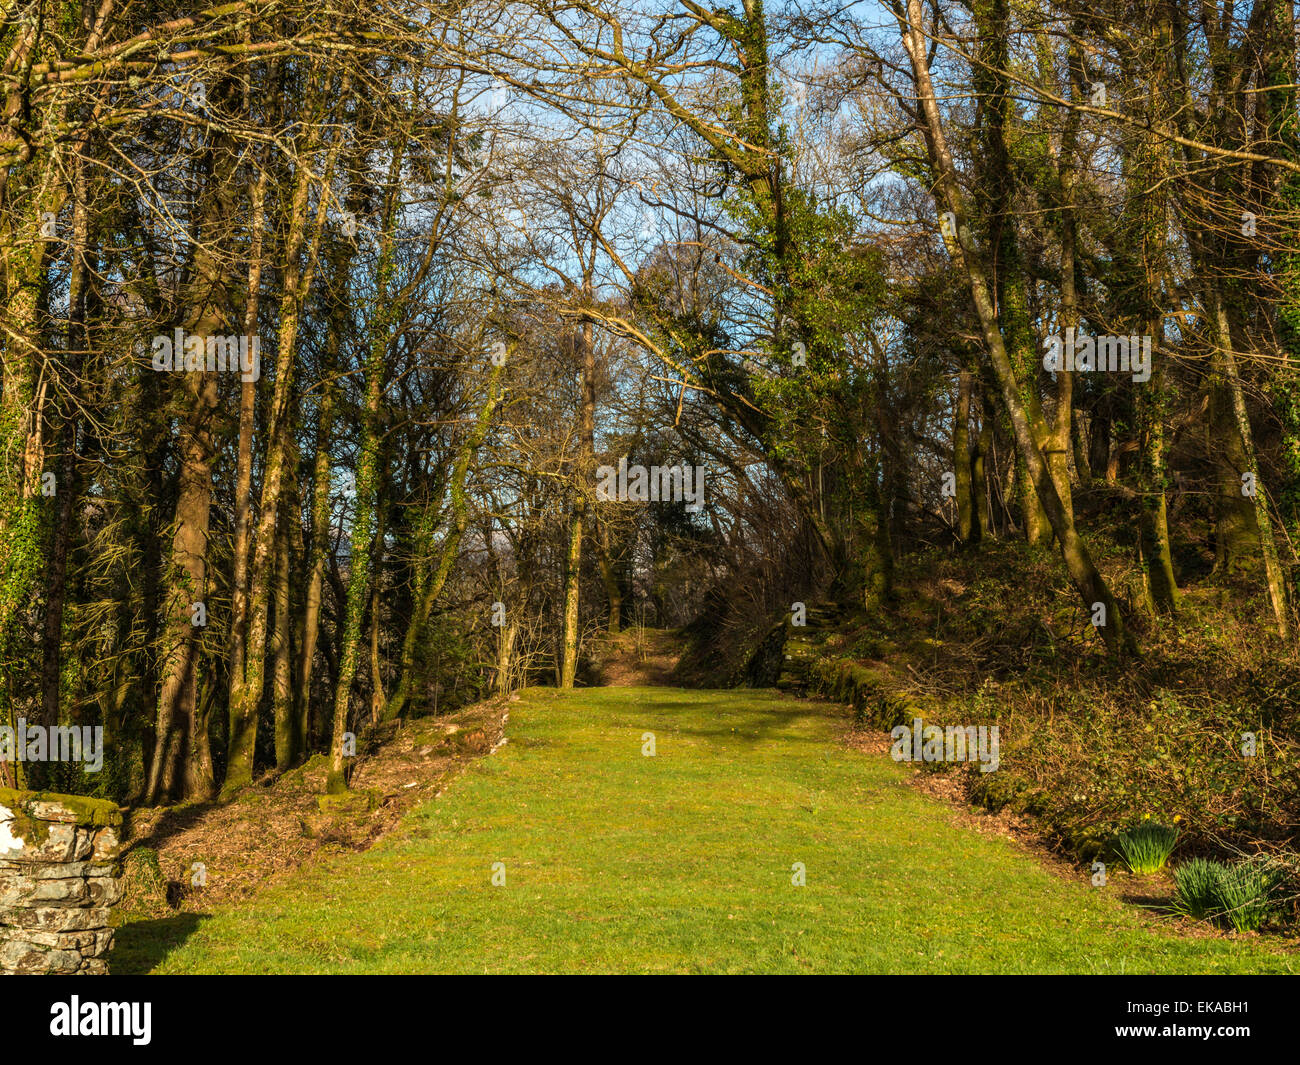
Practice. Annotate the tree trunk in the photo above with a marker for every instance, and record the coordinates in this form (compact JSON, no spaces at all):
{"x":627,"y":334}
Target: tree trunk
{"x":961,"y":458}
{"x":320,"y":541}
{"x":569,"y":639}
{"x":244,"y":459}
{"x":1273,"y":576}
{"x":288,"y":744}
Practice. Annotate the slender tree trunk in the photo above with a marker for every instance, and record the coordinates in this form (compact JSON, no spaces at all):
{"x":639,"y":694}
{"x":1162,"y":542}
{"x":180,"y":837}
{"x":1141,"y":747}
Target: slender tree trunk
{"x":505,"y":656}
{"x":364,"y":520}
{"x":961,"y":458}
{"x":288,"y":744}
{"x":982,"y":484}
{"x":1082,"y":463}
{"x":377,"y":698}
{"x":320,"y":542}
{"x":66,"y":486}
{"x":572,"y":571}
{"x":584,"y":475}
{"x":608,"y":576}
{"x":244,"y":460}
{"x":181,"y":725}
{"x":1273,"y":576}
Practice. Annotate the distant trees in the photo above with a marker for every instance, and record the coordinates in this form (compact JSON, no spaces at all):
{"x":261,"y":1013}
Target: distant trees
{"x":483,"y":250}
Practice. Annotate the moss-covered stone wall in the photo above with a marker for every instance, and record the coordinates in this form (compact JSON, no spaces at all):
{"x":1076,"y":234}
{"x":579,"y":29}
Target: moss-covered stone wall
{"x":59,"y":877}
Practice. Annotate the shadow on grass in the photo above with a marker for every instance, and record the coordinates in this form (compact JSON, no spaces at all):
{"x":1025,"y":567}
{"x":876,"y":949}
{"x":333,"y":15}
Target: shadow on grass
{"x":139,"y":947}
{"x":753,"y":724}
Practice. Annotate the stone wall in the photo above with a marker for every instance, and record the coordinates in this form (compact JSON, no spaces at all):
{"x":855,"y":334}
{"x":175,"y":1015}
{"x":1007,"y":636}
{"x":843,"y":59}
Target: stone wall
{"x":58,"y":877}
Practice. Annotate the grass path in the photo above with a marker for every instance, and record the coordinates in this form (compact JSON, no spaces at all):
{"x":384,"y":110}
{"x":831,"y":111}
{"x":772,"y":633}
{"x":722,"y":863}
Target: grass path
{"x":617,"y":862}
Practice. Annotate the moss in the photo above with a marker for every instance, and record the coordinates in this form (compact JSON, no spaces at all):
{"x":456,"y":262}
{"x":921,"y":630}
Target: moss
{"x":144,"y":887}
{"x":24,"y":827}
{"x":994,"y":791}
{"x":349,"y":802}
{"x":93,"y":813}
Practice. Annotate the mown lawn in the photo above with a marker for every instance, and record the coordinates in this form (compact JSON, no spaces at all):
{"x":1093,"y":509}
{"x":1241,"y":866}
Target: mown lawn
{"x":617,"y":862}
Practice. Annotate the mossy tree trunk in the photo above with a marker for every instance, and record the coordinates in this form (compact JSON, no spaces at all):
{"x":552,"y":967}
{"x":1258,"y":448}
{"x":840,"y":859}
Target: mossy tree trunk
{"x":961,"y":458}
{"x":386,"y":313}
{"x":182,"y":760}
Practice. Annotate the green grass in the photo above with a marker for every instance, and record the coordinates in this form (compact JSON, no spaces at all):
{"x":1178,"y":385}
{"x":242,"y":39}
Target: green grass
{"x":616,"y":862}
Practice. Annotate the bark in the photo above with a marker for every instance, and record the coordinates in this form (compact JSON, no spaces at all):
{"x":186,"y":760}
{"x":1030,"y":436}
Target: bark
{"x":181,"y":724}
{"x":78,"y":345}
{"x":961,"y":458}
{"x":584,"y":488}
{"x":608,"y":575}
{"x":288,"y":742}
{"x":569,"y":639}
{"x":24,"y":391}
{"x":981,"y":483}
{"x":320,"y":543}
{"x":376,"y":666}
{"x":1273,"y":576}
{"x":244,"y":460}
{"x":1155,"y":553}
{"x":365,"y":518}
{"x":1082,"y":463}
{"x":505,"y":656}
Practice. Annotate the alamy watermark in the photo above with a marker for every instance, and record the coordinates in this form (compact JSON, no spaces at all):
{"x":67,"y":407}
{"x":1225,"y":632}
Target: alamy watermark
{"x":950,"y":743}
{"x":1081,"y":353}
{"x":657,"y":484}
{"x":193,"y":354}
{"x":56,"y":743}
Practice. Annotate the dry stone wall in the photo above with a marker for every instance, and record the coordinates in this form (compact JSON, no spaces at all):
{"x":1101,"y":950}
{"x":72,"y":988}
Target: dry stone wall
{"x":59,"y":876}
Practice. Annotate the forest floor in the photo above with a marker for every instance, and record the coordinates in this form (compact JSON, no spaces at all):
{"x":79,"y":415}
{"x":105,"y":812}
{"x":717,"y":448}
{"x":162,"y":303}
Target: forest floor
{"x":185,"y":859}
{"x":636,"y":657}
{"x":606,"y":859}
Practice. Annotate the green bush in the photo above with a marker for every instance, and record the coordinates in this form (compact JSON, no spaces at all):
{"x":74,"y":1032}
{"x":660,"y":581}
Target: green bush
{"x":1246,"y":893}
{"x":1146,"y":847}
{"x":1241,"y":896}
{"x":1196,"y":885}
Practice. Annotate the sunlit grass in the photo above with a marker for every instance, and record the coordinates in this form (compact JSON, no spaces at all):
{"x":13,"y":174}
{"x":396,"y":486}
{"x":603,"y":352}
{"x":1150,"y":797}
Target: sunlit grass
{"x":682,"y":862}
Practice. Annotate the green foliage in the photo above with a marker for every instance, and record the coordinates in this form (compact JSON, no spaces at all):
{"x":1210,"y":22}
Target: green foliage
{"x":1243,"y":896}
{"x":1195,"y":884}
{"x":827,"y":287}
{"x":1246,"y":893}
{"x":1147,"y":846}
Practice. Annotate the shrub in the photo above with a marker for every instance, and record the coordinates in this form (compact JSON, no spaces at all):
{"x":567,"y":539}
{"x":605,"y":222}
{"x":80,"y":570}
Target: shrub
{"x":1147,"y":847}
{"x":1246,"y":893}
{"x":1196,"y":884}
{"x":1241,"y":896}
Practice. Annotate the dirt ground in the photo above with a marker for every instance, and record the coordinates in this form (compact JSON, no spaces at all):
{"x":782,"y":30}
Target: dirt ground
{"x":192,"y":857}
{"x":637,"y":657}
